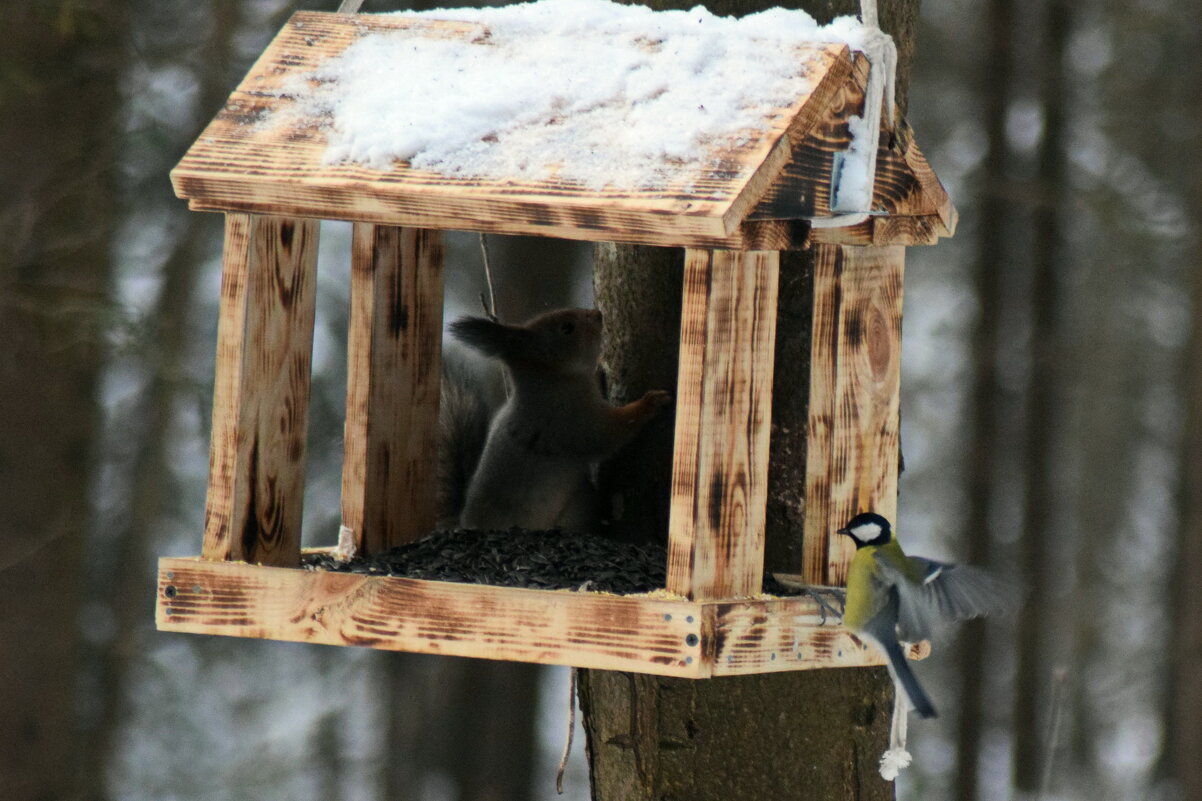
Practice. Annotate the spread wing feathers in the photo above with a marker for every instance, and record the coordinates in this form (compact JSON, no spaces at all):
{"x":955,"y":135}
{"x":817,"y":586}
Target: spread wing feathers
{"x":934,"y":593}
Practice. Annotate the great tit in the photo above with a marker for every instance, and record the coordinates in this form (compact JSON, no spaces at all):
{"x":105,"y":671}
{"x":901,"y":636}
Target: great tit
{"x":892,"y":597}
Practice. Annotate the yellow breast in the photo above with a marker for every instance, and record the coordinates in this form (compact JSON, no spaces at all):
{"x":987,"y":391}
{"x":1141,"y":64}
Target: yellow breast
{"x":860,"y":607}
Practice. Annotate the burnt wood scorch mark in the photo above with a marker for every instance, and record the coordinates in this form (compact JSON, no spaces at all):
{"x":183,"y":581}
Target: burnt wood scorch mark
{"x":261,"y":393}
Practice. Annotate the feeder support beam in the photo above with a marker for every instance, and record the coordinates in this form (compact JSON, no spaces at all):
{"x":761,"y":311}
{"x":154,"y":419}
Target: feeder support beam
{"x":390,"y":465}
{"x":723,"y":422}
{"x":855,"y":384}
{"x":261,"y":393}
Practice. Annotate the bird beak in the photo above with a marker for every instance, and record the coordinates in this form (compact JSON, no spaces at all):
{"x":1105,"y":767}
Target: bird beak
{"x":846,"y":531}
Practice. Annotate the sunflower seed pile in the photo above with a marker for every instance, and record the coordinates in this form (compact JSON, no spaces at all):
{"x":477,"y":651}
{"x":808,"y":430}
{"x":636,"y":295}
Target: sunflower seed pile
{"x":541,"y":560}
{"x":544,"y":560}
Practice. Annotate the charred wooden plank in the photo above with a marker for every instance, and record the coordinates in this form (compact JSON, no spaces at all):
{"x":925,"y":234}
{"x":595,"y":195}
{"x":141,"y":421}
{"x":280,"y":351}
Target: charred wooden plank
{"x":550,"y":627}
{"x":905,"y":186}
{"x":723,"y":422}
{"x":786,"y":634}
{"x":389,"y":475}
{"x":261,"y":393}
{"x":852,"y":447}
{"x":641,"y":633}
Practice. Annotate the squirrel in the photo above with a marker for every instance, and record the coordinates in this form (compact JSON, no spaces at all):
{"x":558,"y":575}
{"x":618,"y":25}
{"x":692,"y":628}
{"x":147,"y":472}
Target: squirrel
{"x":535,"y":468}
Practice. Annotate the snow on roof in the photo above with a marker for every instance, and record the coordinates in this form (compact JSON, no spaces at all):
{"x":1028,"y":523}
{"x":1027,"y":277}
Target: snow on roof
{"x":582,"y":90}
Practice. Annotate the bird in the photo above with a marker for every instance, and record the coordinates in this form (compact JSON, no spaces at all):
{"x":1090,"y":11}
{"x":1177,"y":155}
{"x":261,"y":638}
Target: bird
{"x":894,"y":598}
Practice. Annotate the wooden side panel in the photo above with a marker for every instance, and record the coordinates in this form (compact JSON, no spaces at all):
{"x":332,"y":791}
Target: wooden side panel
{"x":723,"y":422}
{"x":824,"y":382}
{"x":549,"y":627}
{"x":261,"y":395}
{"x":390,"y":467}
{"x":786,"y":634}
{"x":852,"y":449}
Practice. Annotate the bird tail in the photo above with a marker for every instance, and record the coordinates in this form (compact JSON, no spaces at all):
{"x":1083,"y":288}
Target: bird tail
{"x":905,"y":681}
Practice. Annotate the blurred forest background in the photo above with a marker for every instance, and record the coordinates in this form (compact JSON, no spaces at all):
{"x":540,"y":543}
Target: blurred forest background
{"x":1052,"y":425}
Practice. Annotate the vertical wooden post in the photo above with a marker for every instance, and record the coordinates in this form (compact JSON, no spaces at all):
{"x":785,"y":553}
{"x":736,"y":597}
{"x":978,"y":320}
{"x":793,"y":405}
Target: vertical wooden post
{"x":261,"y":395}
{"x":852,"y":447}
{"x":390,"y":467}
{"x":723,"y":422}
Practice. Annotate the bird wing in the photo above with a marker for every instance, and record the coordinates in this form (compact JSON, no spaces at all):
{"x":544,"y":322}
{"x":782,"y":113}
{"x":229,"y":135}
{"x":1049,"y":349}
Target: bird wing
{"x":933,"y":593}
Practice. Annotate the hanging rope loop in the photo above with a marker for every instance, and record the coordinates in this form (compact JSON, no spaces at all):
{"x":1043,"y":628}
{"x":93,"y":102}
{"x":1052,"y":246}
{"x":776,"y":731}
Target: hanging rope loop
{"x":881,"y":52}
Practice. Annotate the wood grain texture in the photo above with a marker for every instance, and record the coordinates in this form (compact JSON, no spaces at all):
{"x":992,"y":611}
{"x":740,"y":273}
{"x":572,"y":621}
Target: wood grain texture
{"x":262,"y":154}
{"x":880,"y":231}
{"x":770,"y":636}
{"x":548,"y":627}
{"x":852,"y":449}
{"x":261,"y":392}
{"x":389,"y":474}
{"x":635,"y":633}
{"x":905,"y":188}
{"x":723,"y":423}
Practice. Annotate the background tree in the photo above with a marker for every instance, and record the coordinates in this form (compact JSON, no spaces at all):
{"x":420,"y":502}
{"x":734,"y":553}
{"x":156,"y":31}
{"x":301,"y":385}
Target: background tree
{"x":1183,"y":693}
{"x":984,"y":414}
{"x":60,"y":110}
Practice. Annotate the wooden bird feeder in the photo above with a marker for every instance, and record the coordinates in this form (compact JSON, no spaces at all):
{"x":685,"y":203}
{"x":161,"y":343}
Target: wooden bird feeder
{"x":770,"y":193}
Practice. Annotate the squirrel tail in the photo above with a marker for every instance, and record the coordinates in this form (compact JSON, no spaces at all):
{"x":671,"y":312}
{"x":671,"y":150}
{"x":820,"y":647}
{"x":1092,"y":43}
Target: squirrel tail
{"x":464,"y":413}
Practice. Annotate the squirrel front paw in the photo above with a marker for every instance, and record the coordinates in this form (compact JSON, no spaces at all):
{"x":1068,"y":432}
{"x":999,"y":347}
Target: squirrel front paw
{"x":656,"y":398}
{"x":649,"y":405}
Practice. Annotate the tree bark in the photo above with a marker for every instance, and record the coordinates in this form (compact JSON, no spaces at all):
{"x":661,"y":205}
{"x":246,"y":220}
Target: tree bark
{"x":991,"y":282}
{"x":59,"y":110}
{"x":1031,"y":710}
{"x":120,"y":575}
{"x":816,"y":733}
{"x":812,"y":734}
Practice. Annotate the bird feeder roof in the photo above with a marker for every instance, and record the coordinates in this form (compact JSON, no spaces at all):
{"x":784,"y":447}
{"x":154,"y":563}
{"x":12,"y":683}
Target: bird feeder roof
{"x":273,"y":150}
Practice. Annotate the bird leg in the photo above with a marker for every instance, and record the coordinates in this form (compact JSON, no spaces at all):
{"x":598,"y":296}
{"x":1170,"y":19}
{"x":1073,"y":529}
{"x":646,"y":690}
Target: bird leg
{"x":828,"y":598}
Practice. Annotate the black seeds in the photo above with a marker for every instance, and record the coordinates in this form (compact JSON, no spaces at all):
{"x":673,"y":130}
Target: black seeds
{"x":543,"y":560}
{"x":516,"y":558}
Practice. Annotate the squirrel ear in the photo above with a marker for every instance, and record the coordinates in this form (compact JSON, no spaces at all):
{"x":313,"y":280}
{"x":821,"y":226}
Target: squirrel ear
{"x":478,"y":333}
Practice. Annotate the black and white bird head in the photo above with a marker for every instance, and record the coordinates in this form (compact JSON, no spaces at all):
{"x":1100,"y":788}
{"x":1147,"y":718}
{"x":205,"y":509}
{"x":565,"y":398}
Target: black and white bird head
{"x":868,"y":528}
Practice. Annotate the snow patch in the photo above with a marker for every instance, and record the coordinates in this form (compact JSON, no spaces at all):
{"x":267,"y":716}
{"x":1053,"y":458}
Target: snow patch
{"x":587,"y":91}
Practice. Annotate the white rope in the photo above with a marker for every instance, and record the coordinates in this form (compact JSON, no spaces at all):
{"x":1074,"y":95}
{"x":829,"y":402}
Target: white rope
{"x":897,"y":758}
{"x":567,"y":743}
{"x":868,"y":14}
{"x":490,"y":306}
{"x":882,"y":56}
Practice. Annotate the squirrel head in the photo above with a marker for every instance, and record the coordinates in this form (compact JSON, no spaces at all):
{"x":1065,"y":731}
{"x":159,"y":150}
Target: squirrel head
{"x":565,"y":341}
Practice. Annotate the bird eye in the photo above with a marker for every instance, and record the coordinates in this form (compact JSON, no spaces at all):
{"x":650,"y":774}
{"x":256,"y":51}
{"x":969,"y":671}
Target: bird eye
{"x":567,"y":328}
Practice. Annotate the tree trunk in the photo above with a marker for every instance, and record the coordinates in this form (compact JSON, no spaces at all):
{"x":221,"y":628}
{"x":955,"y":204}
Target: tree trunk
{"x":59,"y":109}
{"x":122,"y":572}
{"x":1184,"y":729}
{"x":990,"y":281}
{"x":1183,"y":694}
{"x":813,"y":733}
{"x":1041,"y":487}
